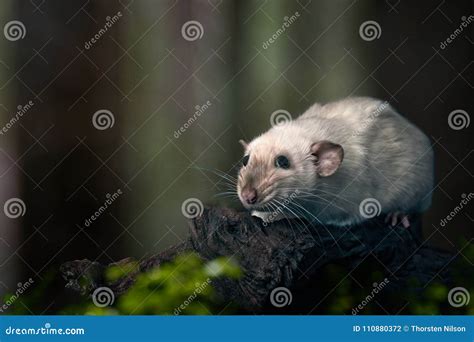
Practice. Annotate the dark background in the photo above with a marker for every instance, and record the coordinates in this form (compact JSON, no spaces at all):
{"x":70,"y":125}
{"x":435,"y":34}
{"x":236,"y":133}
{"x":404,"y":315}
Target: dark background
{"x":151,"y":79}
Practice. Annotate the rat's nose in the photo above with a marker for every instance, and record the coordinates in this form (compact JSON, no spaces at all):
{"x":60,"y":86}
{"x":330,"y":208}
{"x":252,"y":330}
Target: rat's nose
{"x":249,"y":195}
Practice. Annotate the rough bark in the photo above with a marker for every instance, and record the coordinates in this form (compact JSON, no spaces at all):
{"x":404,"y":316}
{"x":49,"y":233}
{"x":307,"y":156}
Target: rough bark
{"x":284,"y":253}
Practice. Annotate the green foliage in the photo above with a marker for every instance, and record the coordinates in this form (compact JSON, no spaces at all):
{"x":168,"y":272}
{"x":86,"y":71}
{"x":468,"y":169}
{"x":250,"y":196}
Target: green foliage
{"x":348,"y":293}
{"x":434,"y":299}
{"x":22,"y":304}
{"x":114,"y":273}
{"x":181,"y":287}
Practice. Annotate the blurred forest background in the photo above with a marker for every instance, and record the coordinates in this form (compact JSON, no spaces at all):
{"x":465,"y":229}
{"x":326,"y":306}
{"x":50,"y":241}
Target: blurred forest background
{"x":151,"y":79}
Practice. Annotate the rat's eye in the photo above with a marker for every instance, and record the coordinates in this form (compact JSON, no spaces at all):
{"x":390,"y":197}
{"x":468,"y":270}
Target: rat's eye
{"x":245,"y":160}
{"x":283,"y":162}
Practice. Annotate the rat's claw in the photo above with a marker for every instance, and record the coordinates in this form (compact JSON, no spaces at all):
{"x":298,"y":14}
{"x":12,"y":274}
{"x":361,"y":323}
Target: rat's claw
{"x":405,"y":221}
{"x":397,"y":217}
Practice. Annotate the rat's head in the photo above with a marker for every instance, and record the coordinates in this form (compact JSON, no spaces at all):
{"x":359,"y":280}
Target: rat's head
{"x":282,"y":162}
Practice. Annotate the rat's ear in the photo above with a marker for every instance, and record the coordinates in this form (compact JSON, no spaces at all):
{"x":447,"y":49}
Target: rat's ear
{"x":328,"y":157}
{"x":243,"y":143}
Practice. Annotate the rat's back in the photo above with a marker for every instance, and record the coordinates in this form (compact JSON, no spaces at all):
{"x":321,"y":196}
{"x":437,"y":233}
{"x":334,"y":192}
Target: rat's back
{"x":386,"y":157}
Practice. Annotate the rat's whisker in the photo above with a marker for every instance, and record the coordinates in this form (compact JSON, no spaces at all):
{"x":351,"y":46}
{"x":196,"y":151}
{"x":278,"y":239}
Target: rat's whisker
{"x":293,"y":213}
{"x":319,"y":221}
{"x":218,"y":173}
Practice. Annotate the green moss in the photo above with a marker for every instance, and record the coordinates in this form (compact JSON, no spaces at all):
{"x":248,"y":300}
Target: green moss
{"x":181,"y":287}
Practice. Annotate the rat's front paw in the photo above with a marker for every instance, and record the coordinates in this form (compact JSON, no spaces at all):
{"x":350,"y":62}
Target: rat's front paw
{"x":269,"y":217}
{"x":264,"y":216}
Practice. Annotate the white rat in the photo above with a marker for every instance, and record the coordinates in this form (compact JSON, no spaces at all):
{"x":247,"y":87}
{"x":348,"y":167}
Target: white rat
{"x":339,"y":164}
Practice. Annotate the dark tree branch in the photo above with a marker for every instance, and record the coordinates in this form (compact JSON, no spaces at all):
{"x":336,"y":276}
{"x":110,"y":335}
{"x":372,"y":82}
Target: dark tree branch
{"x":284,"y":253}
